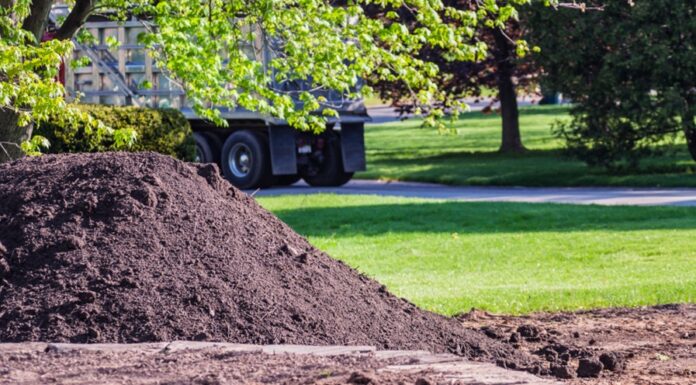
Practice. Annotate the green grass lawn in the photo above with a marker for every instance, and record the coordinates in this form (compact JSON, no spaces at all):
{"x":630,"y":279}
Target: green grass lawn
{"x":405,"y":151}
{"x":505,"y":257}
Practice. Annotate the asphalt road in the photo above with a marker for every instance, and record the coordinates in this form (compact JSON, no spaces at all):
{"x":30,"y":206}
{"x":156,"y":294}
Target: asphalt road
{"x":572,"y":195}
{"x":385,"y":114}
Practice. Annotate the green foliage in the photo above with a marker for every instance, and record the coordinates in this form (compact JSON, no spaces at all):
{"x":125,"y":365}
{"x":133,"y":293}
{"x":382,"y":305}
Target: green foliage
{"x":33,"y":146}
{"x":460,"y":79}
{"x":211,"y":49}
{"x":630,"y":71}
{"x":28,"y":69}
{"x":162,"y":130}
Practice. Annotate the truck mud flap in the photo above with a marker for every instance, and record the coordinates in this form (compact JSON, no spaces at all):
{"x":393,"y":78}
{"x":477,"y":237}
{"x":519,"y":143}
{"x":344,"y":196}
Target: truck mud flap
{"x":353,"y":146}
{"x":283,"y":152}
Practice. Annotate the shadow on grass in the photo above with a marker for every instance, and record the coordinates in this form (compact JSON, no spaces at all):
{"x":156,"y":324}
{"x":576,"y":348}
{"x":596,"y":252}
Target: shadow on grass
{"x":481,"y":217}
{"x":533,"y":168}
{"x":524,"y":111}
{"x":490,"y":156}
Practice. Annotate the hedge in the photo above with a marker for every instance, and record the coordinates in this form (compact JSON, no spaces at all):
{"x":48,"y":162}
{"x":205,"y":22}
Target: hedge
{"x":161,"y":130}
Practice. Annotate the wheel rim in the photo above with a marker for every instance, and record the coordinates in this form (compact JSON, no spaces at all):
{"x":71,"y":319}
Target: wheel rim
{"x":240,"y":160}
{"x":199,"y":155}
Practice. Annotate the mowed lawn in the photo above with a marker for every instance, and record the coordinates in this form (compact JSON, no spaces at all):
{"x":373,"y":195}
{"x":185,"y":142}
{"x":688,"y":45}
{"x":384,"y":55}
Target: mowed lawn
{"x":505,"y":257}
{"x":406,"y":151}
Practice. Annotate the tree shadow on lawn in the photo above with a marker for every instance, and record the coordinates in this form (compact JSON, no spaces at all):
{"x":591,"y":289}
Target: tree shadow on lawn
{"x":526,"y":111}
{"x":482,"y":217}
{"x":455,"y":151}
{"x":534,"y":168}
{"x":533,"y":110}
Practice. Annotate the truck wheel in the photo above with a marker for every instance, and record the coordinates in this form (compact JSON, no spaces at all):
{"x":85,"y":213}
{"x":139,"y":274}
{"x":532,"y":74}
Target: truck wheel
{"x":215,"y":144}
{"x":286,"y":180}
{"x":245,"y":160}
{"x":204,"y":152}
{"x":330,"y":172}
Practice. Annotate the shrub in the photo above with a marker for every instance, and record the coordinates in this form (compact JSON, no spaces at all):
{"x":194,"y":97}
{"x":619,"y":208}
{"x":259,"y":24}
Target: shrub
{"x":161,"y":130}
{"x":629,"y":70}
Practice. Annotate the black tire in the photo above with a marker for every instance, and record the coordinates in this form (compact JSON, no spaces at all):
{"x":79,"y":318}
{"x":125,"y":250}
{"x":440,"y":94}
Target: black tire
{"x":204,"y":152}
{"x":215,"y":144}
{"x":245,"y":160}
{"x":330,"y":172}
{"x":286,"y":180}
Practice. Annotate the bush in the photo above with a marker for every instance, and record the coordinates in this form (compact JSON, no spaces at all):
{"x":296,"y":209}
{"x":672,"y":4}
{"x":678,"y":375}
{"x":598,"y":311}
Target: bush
{"x":629,"y":70}
{"x":161,"y":130}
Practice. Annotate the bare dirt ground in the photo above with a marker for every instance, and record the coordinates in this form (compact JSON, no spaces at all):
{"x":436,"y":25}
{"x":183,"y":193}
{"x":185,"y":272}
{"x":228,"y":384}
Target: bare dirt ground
{"x":197,"y":368}
{"x":199,"y":363}
{"x":650,"y":345}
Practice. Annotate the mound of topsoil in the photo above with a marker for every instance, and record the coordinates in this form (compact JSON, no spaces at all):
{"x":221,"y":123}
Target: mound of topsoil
{"x":138,"y":247}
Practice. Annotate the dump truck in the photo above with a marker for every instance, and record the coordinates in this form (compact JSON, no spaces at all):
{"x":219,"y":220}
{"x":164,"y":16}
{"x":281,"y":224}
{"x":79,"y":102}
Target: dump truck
{"x":253,"y":150}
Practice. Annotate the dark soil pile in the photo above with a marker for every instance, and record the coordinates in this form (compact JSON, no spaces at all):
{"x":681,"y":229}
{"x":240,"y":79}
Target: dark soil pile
{"x":141,"y":247}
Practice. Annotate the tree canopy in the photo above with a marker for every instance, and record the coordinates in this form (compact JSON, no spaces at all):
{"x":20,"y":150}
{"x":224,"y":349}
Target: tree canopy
{"x":630,"y":71}
{"x":202,"y":46}
{"x":502,"y":69}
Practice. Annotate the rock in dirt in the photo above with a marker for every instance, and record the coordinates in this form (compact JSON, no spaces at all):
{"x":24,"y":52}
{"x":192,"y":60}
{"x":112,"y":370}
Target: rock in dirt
{"x":493,"y":332}
{"x":529,"y":332}
{"x":359,"y":379}
{"x":562,"y":371}
{"x":612,"y":361}
{"x":590,"y":367}
{"x":113,"y":247}
{"x":515,"y":338}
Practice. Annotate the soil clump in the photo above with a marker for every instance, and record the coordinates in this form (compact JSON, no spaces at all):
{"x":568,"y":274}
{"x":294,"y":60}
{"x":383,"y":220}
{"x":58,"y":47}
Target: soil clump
{"x":645,"y":345}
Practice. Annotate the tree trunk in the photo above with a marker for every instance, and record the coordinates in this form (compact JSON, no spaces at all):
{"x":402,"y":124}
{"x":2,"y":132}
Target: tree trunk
{"x":689,"y":126}
{"x":11,"y":136}
{"x":36,"y":22}
{"x":77,"y":17}
{"x":511,"y":137}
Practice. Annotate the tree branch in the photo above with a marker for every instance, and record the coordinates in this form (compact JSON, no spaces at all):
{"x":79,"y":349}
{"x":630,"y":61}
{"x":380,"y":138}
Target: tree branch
{"x":36,"y":22}
{"x":6,"y":3}
{"x":582,"y":6}
{"x":77,"y":17}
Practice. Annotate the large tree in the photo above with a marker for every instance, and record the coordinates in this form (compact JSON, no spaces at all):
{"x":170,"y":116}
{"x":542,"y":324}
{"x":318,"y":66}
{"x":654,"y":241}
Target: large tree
{"x":502,"y":69}
{"x":201,"y":44}
{"x":630,"y":69}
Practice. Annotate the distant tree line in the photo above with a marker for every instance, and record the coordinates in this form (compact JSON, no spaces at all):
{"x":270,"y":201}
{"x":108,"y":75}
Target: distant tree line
{"x":629,"y":68}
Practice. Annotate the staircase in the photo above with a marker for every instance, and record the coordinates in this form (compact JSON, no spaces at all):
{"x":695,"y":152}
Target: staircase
{"x":108,"y":65}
